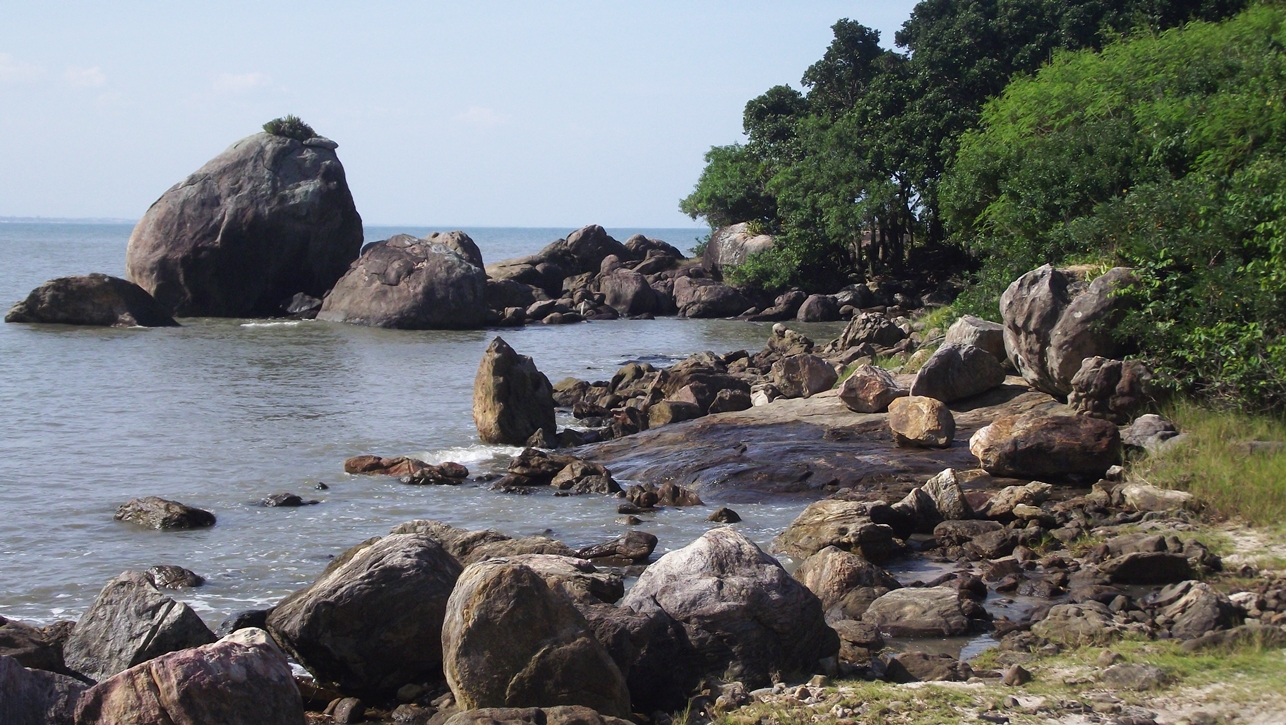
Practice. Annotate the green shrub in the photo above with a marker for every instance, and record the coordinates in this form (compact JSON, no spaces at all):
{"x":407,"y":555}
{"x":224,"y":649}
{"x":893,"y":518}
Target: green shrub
{"x":290,"y":126}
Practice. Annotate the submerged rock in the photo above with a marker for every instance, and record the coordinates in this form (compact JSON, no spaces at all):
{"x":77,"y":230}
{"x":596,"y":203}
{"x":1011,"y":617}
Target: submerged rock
{"x":511,"y":398}
{"x":131,"y":622}
{"x":95,"y":299}
{"x":168,"y":576}
{"x":411,"y":284}
{"x":372,"y":621}
{"x":266,"y":219}
{"x":243,"y":679}
{"x":159,"y":513}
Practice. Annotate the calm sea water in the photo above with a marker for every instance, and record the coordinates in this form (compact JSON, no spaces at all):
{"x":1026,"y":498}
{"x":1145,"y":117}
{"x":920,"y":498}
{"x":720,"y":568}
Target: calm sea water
{"x":220,"y":413}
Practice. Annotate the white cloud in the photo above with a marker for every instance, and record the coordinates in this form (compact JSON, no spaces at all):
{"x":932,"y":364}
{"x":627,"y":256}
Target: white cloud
{"x":13,"y":70}
{"x":482,"y":117}
{"x":240,"y":82}
{"x":85,"y":77}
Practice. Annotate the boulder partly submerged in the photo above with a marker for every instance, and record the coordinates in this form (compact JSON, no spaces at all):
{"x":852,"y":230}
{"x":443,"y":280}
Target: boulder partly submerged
{"x":511,"y":398}
{"x":93,"y":299}
{"x":412,"y":284}
{"x":266,"y":219}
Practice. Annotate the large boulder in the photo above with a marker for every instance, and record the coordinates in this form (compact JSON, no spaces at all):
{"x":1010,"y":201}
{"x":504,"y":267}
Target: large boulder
{"x":868,"y":328}
{"x":94,"y":299}
{"x":243,"y":679}
{"x":129,"y":623}
{"x":627,"y":292}
{"x":1033,"y":445}
{"x":372,"y":621}
{"x":834,"y":575}
{"x":803,"y":376}
{"x":957,"y":371}
{"x":1110,"y":389}
{"x":511,"y":398}
{"x":988,"y":335}
{"x":920,"y":422}
{"x":36,"y":697}
{"x":30,"y":646}
{"x":509,"y":640}
{"x":744,"y":617}
{"x":919,"y":612}
{"x":731,"y":245}
{"x":1053,"y":321}
{"x":699,"y":297}
{"x":818,"y":308}
{"x":411,"y":284}
{"x":266,"y":219}
{"x":870,"y":389}
{"x":847,"y":525}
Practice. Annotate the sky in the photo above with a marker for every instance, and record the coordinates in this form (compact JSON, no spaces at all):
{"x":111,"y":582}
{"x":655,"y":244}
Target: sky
{"x":465,"y":113}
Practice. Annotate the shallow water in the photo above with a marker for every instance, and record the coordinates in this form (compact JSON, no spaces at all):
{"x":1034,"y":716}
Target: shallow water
{"x":220,"y":413}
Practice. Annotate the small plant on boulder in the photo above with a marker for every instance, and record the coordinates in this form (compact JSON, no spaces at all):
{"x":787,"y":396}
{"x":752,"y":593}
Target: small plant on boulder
{"x":290,"y":126}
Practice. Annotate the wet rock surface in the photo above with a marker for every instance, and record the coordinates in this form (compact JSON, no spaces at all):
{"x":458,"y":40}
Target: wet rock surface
{"x":94,"y":299}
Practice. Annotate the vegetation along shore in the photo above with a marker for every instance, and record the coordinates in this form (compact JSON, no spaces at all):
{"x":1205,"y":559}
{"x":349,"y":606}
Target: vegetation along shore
{"x":1038,"y":476}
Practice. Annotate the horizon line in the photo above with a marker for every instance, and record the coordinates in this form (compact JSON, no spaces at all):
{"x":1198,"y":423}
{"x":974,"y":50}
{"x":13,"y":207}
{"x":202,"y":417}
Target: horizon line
{"x":444,"y":227}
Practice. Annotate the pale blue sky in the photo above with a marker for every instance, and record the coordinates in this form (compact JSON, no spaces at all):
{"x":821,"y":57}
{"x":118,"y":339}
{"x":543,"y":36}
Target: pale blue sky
{"x":465,"y":113}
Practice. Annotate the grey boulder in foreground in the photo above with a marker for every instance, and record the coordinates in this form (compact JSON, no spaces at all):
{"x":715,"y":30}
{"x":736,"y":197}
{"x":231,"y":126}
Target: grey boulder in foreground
{"x":413,"y":284}
{"x":268,"y":218}
{"x":93,"y":299}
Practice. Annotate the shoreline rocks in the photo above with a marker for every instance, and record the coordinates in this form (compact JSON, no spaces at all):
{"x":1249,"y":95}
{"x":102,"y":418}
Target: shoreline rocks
{"x":512,"y":400}
{"x":93,"y":299}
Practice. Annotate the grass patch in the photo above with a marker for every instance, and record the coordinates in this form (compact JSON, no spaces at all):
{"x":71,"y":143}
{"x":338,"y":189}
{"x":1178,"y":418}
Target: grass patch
{"x":892,"y":363}
{"x":1214,"y":466}
{"x":867,"y":702}
{"x":290,"y":126}
{"x":938,"y":318}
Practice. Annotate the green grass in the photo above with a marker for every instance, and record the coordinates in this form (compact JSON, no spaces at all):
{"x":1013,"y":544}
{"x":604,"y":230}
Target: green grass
{"x":1212,"y":466}
{"x":290,"y":126}
{"x":938,"y":318}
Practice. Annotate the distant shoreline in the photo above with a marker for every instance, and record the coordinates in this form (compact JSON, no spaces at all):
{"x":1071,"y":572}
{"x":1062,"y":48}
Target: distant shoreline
{"x":62,"y":220}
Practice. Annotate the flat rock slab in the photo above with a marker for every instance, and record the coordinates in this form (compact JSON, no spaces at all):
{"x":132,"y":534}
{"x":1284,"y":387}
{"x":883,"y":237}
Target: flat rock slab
{"x":798,"y":446}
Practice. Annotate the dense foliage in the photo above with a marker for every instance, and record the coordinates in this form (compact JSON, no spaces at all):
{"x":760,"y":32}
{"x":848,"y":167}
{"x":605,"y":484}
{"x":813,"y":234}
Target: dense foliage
{"x":1166,"y":153}
{"x":849,"y":173}
{"x":290,"y":127}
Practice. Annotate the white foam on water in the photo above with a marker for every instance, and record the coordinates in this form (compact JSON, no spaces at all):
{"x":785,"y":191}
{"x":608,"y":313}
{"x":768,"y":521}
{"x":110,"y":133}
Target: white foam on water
{"x":465,"y":455}
{"x":285,"y":323}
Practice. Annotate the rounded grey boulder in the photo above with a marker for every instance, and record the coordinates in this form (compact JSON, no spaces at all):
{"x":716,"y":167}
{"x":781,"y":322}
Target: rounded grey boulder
{"x":411,"y":284}
{"x":264,"y":220}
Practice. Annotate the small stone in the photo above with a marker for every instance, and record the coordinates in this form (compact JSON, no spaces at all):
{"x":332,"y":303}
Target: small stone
{"x":1107,"y":658}
{"x":168,"y":576}
{"x":819,"y":681}
{"x":285,"y":500}
{"x":409,"y":692}
{"x":629,"y":520}
{"x":724,"y":515}
{"x":1134,"y":676}
{"x":159,"y":513}
{"x":321,"y":486}
{"x":1016,"y":676}
{"x":347,"y":711}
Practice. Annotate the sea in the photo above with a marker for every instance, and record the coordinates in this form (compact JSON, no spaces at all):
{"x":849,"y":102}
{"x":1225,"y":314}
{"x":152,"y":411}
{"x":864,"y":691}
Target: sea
{"x":220,"y":413}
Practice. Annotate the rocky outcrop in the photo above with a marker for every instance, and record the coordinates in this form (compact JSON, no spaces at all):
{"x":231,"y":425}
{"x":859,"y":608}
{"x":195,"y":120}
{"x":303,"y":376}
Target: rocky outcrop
{"x":957,"y":371}
{"x":243,"y":679}
{"x":920,"y":422}
{"x":411,"y":284}
{"x":159,"y":513}
{"x":803,"y":376}
{"x":36,"y":697}
{"x":988,"y":335}
{"x":699,"y":297}
{"x":511,"y":398}
{"x":94,"y":299}
{"x":561,"y":715}
{"x":266,"y":219}
{"x":1114,"y":390}
{"x":743,"y":616}
{"x":731,"y":245}
{"x":1047,"y":446}
{"x":1087,"y":623}
{"x":511,"y":641}
{"x":1053,"y":321}
{"x":870,"y":389}
{"x":372,"y":621}
{"x":846,"y":525}
{"x":131,"y":622}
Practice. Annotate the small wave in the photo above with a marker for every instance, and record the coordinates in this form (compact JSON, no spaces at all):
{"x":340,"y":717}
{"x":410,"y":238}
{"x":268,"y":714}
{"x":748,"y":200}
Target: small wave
{"x":285,"y":323}
{"x":467,"y":454}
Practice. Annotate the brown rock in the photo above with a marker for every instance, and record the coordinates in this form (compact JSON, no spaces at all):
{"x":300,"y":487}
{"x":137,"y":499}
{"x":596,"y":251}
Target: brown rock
{"x":1036,"y":446}
{"x":511,"y":398}
{"x":159,"y":513}
{"x":94,"y":299}
{"x":803,"y":376}
{"x":870,"y":389}
{"x":921,"y":422}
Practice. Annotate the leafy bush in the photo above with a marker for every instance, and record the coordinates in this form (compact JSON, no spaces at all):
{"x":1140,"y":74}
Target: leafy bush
{"x":290,"y":126}
{"x":1165,"y":153}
